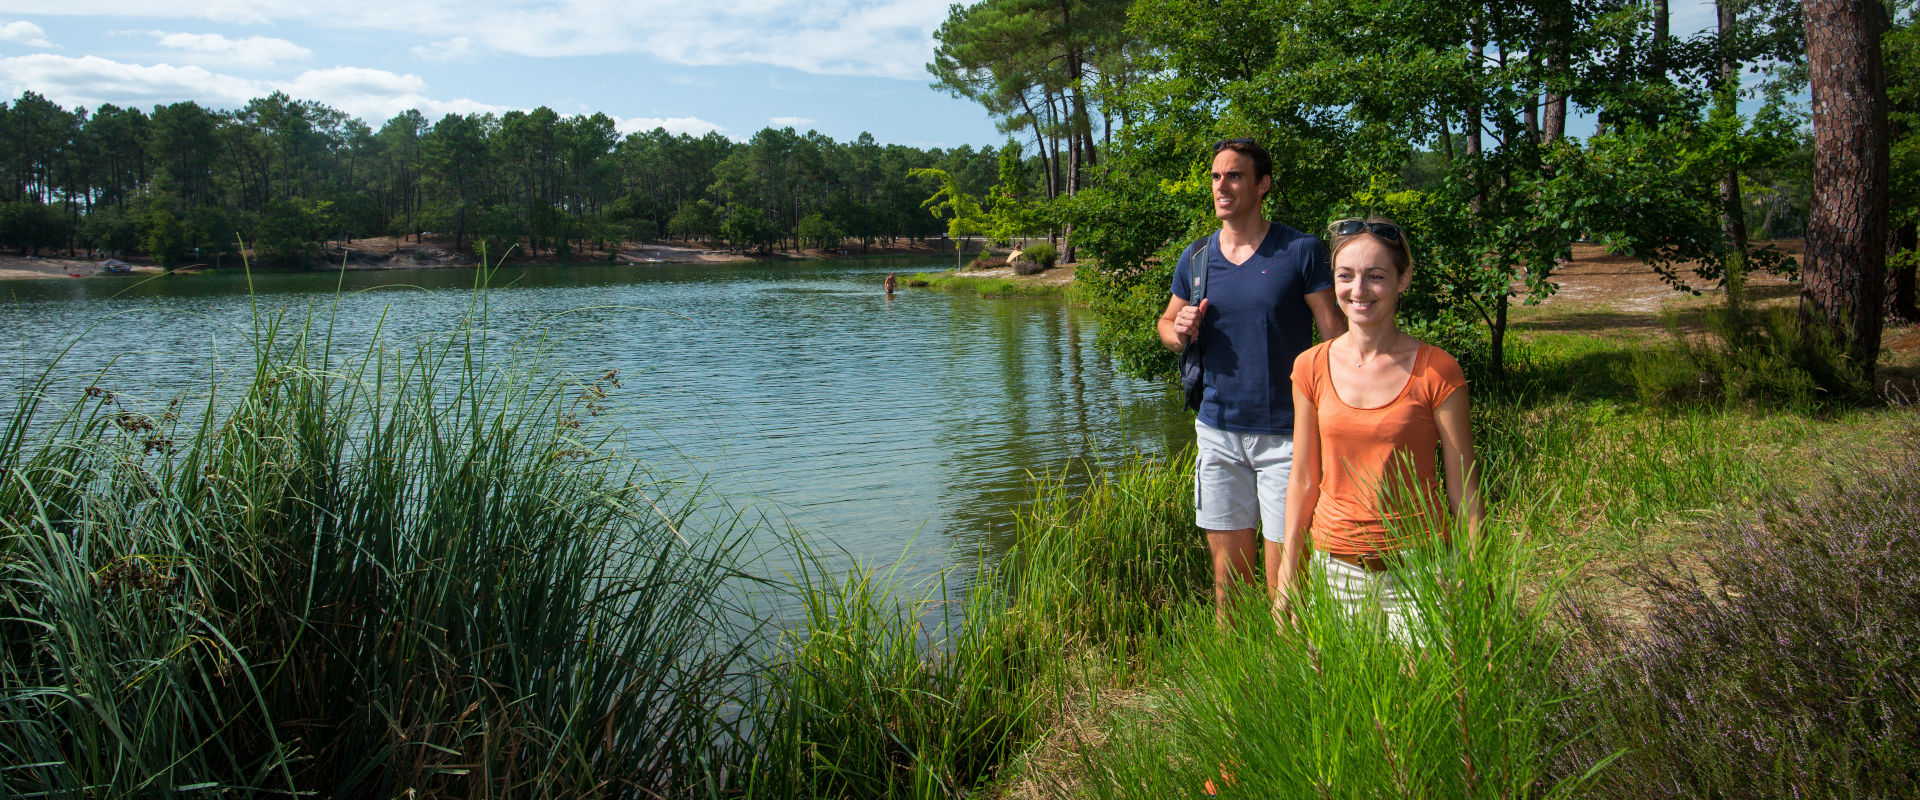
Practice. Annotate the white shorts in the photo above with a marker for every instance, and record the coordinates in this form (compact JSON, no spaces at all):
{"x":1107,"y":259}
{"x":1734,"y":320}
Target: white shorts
{"x":1240,"y":481}
{"x":1363,"y":591}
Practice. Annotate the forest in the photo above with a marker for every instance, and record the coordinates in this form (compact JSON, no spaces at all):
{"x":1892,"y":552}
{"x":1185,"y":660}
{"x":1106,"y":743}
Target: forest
{"x":187,"y":184}
{"x":1501,"y":133}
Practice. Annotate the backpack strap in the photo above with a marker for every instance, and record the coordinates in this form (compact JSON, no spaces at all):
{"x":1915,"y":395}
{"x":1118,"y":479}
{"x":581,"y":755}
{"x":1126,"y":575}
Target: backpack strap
{"x":1197,"y":265}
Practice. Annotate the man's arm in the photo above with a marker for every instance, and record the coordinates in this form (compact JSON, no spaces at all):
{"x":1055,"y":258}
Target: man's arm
{"x":1326,"y":314}
{"x":1181,"y":322}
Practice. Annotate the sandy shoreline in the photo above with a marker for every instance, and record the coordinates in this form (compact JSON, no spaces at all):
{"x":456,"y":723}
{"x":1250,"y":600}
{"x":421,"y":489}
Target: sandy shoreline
{"x":388,"y":253}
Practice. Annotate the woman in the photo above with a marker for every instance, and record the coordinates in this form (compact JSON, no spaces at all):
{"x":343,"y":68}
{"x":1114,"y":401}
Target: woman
{"x":1369,"y":409}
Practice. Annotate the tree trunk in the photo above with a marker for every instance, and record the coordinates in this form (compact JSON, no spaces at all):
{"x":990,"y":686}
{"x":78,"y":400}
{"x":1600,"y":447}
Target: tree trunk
{"x":1733,"y":218}
{"x":1554,"y":23}
{"x":1662,"y":25}
{"x":1847,"y":225}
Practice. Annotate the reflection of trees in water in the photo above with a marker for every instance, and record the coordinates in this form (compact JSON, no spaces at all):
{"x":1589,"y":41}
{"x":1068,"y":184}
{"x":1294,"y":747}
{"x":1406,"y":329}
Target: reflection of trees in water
{"x":1054,"y":409}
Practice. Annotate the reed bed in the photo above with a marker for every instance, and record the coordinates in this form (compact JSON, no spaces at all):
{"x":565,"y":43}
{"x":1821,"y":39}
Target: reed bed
{"x":411,"y":572}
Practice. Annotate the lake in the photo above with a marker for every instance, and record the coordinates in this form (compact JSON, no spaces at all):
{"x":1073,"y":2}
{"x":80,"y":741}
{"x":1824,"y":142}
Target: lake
{"x":894,"y":428}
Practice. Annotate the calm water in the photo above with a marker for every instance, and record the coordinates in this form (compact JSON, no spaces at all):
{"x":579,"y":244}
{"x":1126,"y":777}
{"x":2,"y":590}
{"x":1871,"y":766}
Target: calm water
{"x":903,"y":427}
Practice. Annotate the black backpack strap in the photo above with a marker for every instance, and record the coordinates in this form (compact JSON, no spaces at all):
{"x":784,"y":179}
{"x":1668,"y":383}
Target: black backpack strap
{"x":1196,"y":257}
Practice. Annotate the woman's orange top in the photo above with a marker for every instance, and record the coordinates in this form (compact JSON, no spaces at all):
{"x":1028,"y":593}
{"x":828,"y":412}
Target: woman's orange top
{"x":1357,"y":446}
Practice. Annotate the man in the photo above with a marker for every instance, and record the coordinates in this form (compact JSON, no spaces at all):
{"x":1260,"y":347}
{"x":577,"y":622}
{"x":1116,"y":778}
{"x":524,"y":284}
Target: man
{"x":1265,"y":283}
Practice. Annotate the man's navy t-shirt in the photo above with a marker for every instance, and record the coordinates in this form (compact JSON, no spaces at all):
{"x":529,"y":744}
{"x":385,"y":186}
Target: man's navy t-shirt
{"x":1257,"y":322}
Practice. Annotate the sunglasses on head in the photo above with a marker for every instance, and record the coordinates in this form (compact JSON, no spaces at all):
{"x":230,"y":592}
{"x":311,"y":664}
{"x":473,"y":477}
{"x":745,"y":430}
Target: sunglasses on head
{"x":1349,"y":227}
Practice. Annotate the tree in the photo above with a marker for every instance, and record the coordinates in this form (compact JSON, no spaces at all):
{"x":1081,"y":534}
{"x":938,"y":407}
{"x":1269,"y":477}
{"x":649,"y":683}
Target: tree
{"x":1847,"y":228}
{"x":820,"y":231}
{"x":961,"y":210}
{"x":30,"y":225}
{"x":1901,"y":48}
{"x":697,"y":219}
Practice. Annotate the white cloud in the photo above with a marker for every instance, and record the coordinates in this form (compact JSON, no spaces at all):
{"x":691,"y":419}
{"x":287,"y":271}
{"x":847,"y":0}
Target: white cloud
{"x":791,"y":122}
{"x":371,"y":94}
{"x":24,"y":32}
{"x":376,"y":94}
{"x":255,"y":51}
{"x":693,"y":126}
{"x":886,"y":38}
{"x":91,"y":80}
{"x":457,"y":47}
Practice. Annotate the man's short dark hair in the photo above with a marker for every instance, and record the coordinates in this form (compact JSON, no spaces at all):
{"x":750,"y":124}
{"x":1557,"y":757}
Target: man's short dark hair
{"x":1262,"y":160}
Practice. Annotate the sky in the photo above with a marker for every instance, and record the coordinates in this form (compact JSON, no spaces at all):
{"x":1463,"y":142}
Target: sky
{"x":841,"y":67}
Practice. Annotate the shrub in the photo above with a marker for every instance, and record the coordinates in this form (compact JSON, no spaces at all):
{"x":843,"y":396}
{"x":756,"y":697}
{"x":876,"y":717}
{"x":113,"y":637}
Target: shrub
{"x":1789,"y":669}
{"x":1761,"y":357}
{"x":1042,"y":255}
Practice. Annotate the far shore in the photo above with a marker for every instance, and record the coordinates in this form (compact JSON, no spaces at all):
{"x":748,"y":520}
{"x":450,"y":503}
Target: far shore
{"x":432,"y":252}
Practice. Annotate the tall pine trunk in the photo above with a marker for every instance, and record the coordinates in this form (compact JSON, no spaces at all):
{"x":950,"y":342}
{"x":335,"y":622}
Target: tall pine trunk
{"x":1733,"y":219}
{"x":1847,"y":226}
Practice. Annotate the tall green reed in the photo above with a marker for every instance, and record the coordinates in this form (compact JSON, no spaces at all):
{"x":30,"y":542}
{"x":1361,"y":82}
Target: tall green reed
{"x":417,"y":569}
{"x":899,"y":692}
{"x":1334,"y":703}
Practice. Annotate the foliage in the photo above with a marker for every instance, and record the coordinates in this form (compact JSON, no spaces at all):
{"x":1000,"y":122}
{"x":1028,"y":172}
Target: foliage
{"x":1750,"y":356}
{"x":746,"y":227}
{"x":889,"y":696}
{"x":963,"y":212}
{"x":1045,"y":66}
{"x":412,"y":571}
{"x":535,"y":182}
{"x":1343,"y":92}
{"x":29,"y":225}
{"x":1338,"y":705}
{"x":819,"y":231}
{"x":1040,"y":255}
{"x":1784,"y":666}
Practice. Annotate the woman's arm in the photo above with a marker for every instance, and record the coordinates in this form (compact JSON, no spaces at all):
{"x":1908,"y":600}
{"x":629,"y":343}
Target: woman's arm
{"x":1303,"y":492}
{"x":1455,"y":422}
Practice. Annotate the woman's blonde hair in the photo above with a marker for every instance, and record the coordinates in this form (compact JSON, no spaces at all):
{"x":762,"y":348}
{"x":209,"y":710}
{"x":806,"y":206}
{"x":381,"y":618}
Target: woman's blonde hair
{"x":1402,"y":250}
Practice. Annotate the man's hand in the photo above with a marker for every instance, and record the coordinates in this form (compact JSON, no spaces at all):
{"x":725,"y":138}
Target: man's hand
{"x":1186,"y":323}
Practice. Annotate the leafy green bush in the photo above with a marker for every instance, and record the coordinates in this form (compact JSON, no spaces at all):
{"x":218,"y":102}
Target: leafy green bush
{"x":1043,"y":255}
{"x":1787,"y":667}
{"x":1761,"y":357}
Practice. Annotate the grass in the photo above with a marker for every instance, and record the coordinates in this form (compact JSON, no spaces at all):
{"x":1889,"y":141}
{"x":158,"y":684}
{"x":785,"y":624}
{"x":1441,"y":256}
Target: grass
{"x":951,"y":281}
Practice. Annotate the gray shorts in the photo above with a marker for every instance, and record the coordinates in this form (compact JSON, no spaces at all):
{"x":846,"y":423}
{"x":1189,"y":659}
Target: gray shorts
{"x":1240,"y":481}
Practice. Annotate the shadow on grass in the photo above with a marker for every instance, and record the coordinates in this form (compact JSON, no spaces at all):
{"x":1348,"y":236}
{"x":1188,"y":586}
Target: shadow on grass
{"x":1560,"y":377}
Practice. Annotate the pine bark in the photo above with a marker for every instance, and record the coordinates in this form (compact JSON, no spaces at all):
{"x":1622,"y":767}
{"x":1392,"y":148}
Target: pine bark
{"x":1733,"y":218}
{"x":1846,"y":251}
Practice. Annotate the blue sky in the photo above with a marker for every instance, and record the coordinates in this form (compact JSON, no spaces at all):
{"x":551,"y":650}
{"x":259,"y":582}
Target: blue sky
{"x":837,"y":66}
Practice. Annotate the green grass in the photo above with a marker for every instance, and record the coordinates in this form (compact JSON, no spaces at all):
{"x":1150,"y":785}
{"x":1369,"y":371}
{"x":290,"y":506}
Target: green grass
{"x":951,"y":281}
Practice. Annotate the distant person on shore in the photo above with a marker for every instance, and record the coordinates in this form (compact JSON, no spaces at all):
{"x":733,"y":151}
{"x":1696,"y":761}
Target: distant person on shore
{"x":890,"y":283}
{"x":1371,"y":406}
{"x":1266,"y":284}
